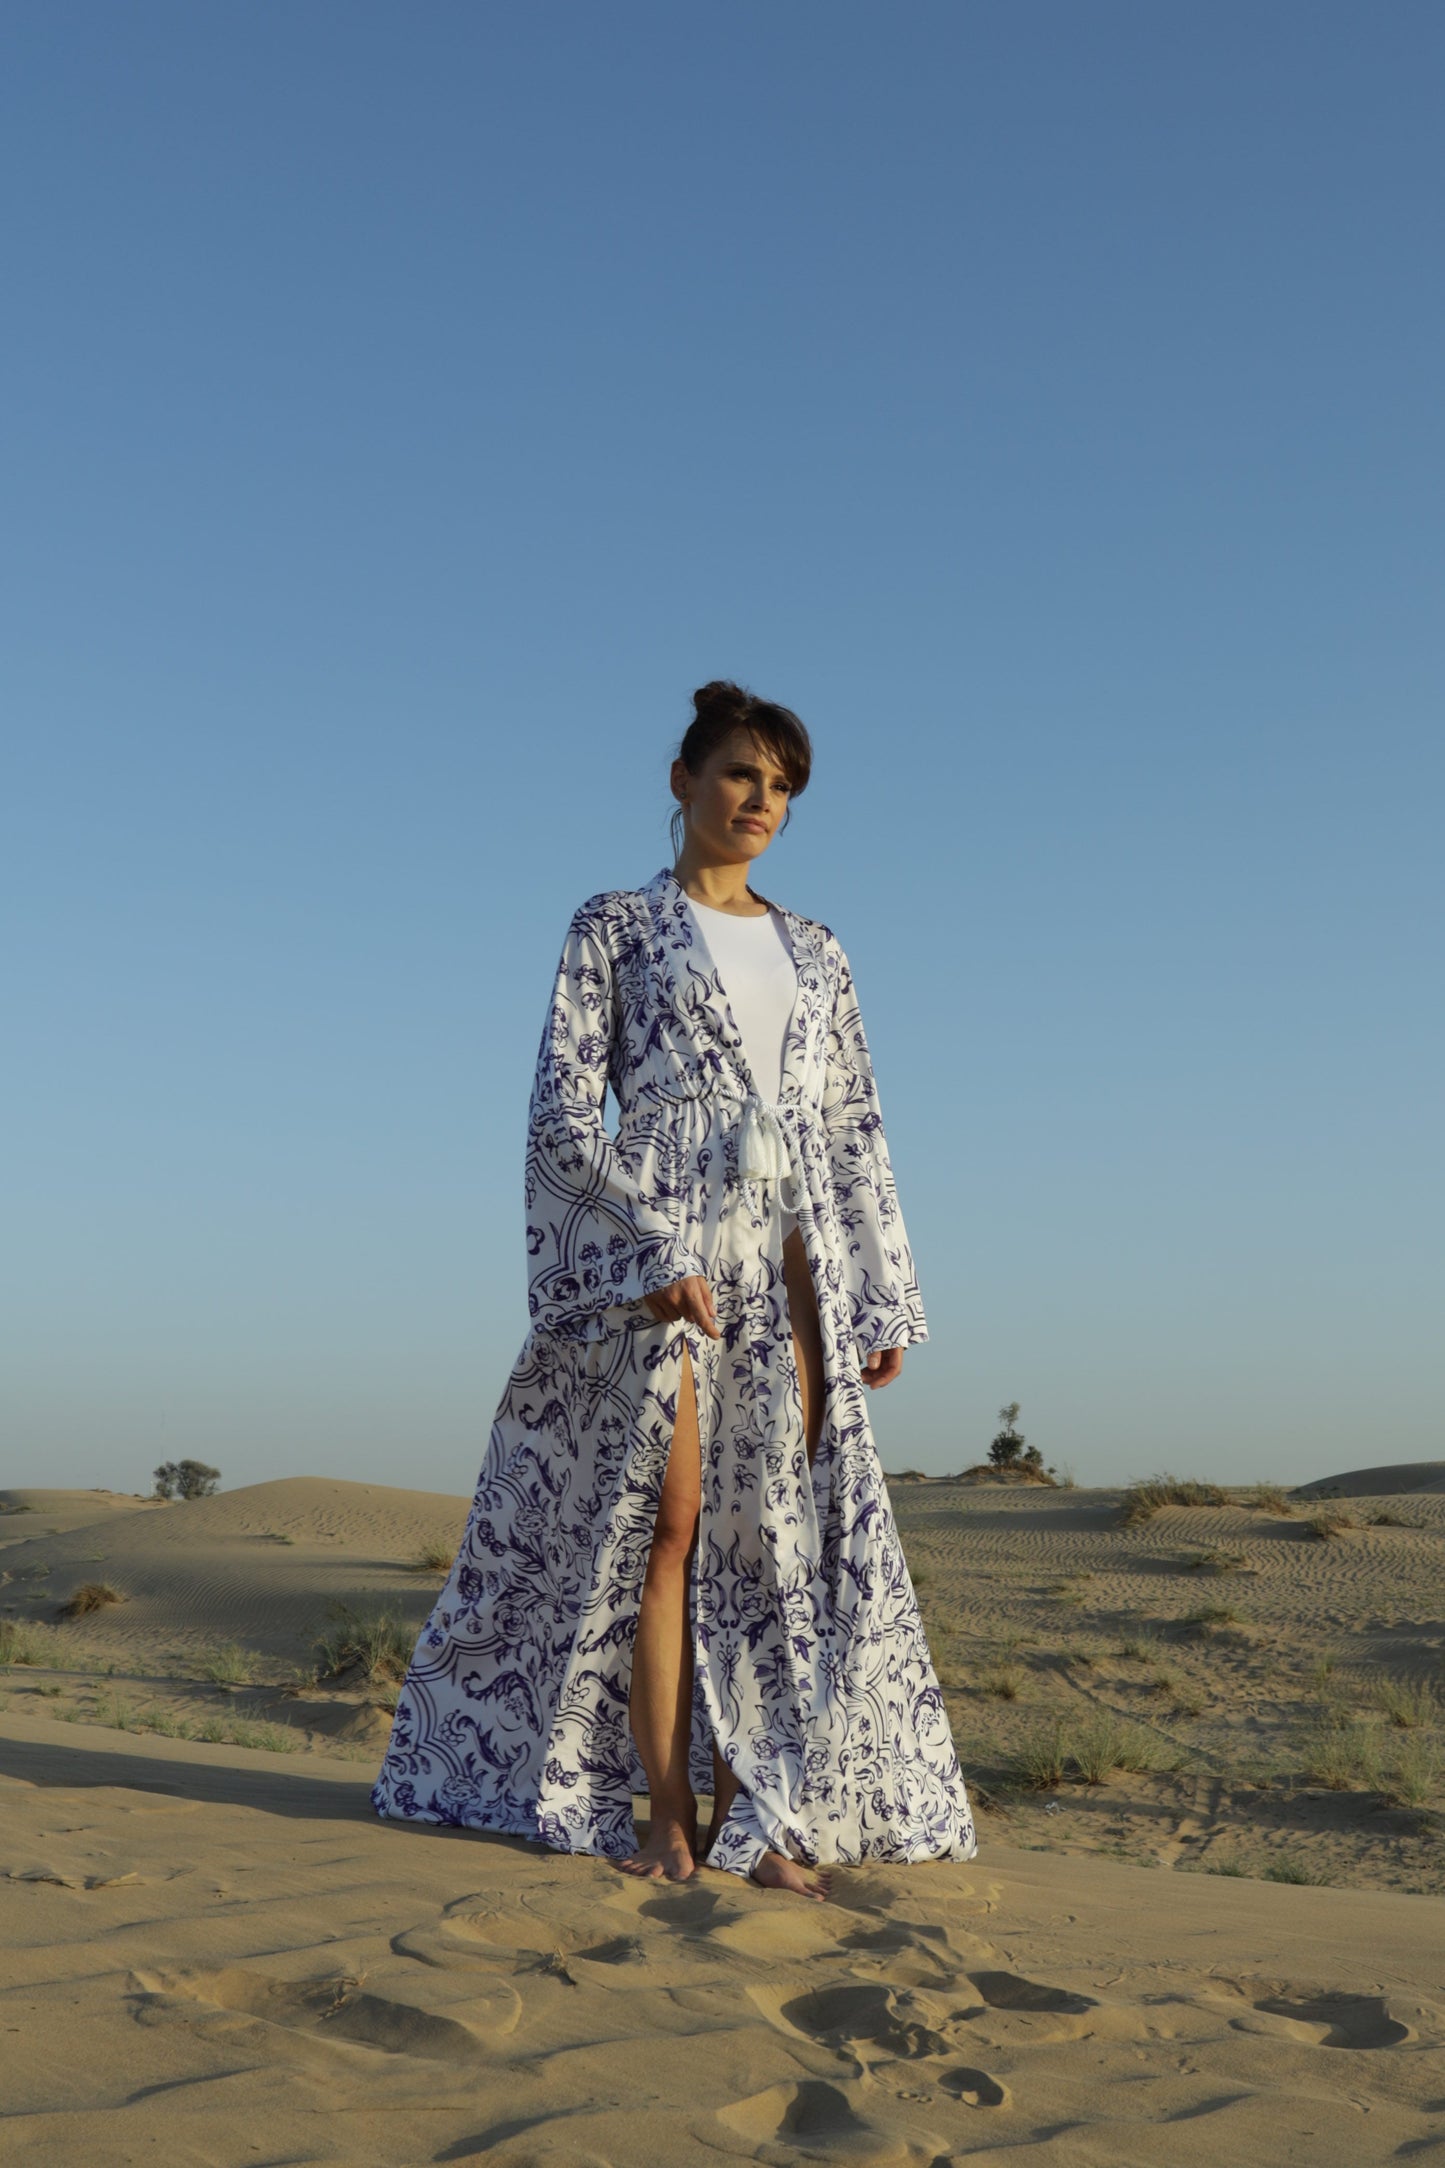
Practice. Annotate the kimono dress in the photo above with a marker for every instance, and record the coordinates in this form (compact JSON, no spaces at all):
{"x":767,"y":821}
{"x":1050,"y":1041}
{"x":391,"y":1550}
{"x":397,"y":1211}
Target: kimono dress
{"x":810,"y":1666}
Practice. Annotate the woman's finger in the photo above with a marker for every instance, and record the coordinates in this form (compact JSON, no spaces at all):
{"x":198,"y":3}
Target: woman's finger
{"x":698,"y":1297}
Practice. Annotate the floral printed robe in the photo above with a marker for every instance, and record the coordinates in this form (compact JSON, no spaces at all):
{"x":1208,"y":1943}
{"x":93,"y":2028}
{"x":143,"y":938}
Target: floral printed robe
{"x":811,"y":1670}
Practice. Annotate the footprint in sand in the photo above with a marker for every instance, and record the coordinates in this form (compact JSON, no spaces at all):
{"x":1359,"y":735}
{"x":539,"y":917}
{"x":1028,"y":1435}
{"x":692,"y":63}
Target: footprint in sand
{"x":1329,"y":2020}
{"x":620,"y":1950}
{"x":340,"y":2009}
{"x":975,"y":2088}
{"x":884,"y":2017}
{"x":1010,"y":1991}
{"x":814,"y":2121}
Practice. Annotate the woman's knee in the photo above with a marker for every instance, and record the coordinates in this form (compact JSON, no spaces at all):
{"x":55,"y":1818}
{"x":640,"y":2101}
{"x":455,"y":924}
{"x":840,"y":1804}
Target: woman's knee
{"x":673,"y":1536}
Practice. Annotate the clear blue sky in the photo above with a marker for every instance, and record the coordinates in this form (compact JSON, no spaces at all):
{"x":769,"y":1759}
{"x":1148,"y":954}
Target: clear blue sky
{"x":406,"y":407}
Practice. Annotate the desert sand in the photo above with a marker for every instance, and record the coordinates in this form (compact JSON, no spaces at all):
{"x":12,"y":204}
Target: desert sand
{"x":1206,"y":1921}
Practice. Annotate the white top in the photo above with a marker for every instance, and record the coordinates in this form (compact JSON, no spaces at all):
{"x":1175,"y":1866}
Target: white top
{"x":760,"y":980}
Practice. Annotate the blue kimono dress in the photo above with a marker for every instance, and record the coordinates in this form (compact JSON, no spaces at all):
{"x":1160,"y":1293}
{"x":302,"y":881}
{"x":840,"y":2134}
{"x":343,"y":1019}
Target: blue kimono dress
{"x":811,"y":1670}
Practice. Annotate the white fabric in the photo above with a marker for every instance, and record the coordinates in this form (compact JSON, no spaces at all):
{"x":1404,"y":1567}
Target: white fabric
{"x":760,"y":982}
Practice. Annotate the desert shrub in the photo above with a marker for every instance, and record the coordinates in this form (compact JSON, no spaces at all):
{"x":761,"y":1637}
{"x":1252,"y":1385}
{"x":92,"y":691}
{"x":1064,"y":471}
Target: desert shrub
{"x":1006,"y":1682}
{"x":378,"y":1643}
{"x":90,"y":1596}
{"x":1213,"y":1614}
{"x":1213,"y":1562}
{"x":1414,"y":1773}
{"x":22,"y":1644}
{"x":1039,"y":1763}
{"x":1266,"y":1498}
{"x":186,"y":1479}
{"x":227,"y":1665}
{"x":1107,"y":1743}
{"x":1408,"y":1703}
{"x":1340,"y":1752}
{"x":1388,"y":1520}
{"x":433,"y":1558}
{"x":1140,"y":1648}
{"x":115,"y":1710}
{"x":1141,"y":1501}
{"x":1290,"y":1869}
{"x":1325,"y":1527}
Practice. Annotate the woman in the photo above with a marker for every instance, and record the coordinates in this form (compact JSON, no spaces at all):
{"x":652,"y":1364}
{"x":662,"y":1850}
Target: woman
{"x":681,"y":1568}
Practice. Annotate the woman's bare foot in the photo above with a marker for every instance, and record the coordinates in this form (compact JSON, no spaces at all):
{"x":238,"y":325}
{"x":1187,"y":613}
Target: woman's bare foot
{"x":775,"y":1871}
{"x":670,"y":1850}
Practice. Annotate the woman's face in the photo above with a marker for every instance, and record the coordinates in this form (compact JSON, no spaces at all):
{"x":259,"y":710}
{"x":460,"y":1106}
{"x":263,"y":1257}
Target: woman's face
{"x":737,"y":799}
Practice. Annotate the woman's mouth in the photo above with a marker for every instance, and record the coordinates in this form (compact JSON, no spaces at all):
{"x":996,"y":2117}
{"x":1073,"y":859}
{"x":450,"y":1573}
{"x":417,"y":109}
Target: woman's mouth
{"x":756,"y":825}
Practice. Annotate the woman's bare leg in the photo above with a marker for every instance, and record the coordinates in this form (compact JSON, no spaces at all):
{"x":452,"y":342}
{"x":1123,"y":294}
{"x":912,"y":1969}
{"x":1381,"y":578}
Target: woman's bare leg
{"x":774,"y":1869}
{"x":660,"y":1703}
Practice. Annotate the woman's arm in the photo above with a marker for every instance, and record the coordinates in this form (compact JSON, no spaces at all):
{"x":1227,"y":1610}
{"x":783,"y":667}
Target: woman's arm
{"x":882,"y":1285}
{"x":594,"y":1238}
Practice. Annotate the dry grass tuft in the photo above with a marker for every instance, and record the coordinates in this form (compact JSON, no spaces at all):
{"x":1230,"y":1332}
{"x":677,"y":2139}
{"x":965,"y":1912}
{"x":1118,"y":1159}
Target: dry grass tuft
{"x":1415,"y":1774}
{"x":433,"y":1558}
{"x":1040,"y":1762}
{"x":1410,"y":1704}
{"x":1213,"y":1562}
{"x":1340,"y":1752}
{"x":1107,"y":1742}
{"x":90,"y":1596}
{"x":1213,"y":1614}
{"x":1291,"y":1869}
{"x":377,"y":1643}
{"x":22,"y":1644}
{"x":1266,"y":1498}
{"x":1141,"y":1501}
{"x":227,"y":1665}
{"x":1325,"y":1527}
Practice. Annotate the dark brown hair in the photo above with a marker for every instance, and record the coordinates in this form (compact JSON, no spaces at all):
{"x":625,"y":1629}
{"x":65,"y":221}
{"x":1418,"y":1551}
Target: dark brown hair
{"x":721,"y":707}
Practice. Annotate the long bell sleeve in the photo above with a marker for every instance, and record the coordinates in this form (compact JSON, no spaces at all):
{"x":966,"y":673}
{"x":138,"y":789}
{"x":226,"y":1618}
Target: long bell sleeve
{"x":595,"y":1239}
{"x":882,"y":1286}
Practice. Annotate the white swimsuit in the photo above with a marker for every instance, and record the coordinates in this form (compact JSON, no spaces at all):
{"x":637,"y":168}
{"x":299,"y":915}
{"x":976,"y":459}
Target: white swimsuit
{"x":755,"y":964}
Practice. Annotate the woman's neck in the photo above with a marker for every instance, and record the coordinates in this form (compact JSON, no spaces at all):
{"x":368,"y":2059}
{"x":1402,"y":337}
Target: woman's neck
{"x":720,"y":888}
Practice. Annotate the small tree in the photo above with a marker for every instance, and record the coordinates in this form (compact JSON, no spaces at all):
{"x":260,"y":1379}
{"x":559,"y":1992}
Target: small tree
{"x":186,"y":1479}
{"x":1008,"y":1446}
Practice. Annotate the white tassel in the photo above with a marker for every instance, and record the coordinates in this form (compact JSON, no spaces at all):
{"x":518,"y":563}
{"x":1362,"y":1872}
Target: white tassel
{"x":763,"y":1150}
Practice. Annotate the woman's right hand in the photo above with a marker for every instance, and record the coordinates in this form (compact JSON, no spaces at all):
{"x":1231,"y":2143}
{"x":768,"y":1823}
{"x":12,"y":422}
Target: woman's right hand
{"x":690,"y":1298}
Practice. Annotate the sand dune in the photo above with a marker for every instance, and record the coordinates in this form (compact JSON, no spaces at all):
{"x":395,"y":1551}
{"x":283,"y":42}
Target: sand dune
{"x":217,"y":1954}
{"x":1405,"y":1475}
{"x":262,"y":1566}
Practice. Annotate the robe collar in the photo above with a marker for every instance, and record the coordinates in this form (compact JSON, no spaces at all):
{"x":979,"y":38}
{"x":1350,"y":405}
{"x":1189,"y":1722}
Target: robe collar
{"x":688,"y":972}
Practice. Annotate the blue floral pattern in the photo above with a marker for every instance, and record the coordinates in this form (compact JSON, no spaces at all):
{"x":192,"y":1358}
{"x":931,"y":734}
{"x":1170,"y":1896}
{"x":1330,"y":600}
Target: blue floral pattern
{"x":811,"y":1669}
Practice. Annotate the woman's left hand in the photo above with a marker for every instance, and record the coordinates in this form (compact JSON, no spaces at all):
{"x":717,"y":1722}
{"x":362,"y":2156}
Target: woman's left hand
{"x":882,"y":1365}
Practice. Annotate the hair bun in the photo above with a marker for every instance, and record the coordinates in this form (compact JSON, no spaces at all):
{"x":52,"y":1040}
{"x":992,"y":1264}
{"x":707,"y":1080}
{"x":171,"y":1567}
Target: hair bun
{"x":722,"y":697}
